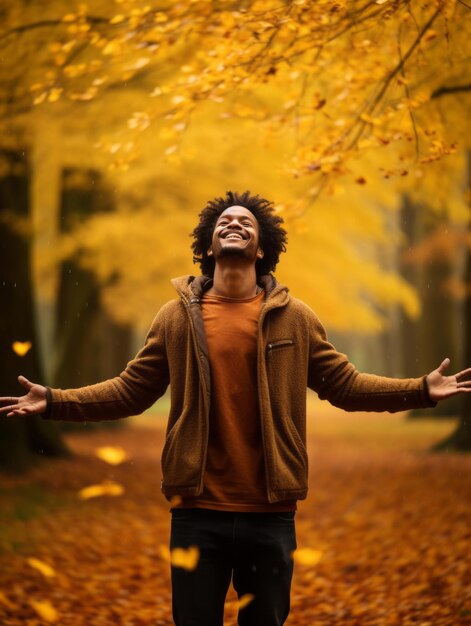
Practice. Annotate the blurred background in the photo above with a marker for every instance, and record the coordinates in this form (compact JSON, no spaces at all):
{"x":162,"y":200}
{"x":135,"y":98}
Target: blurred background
{"x":119,"y":120}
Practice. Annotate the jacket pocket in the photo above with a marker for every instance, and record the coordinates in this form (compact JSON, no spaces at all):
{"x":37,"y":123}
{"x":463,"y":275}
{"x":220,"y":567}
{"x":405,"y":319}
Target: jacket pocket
{"x":277,"y":345}
{"x":168,"y":440}
{"x":296,"y":435}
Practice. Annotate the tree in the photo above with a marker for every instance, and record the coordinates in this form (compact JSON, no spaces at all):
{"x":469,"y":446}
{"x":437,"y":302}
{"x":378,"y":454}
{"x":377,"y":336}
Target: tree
{"x":20,"y":439}
{"x":460,"y":439}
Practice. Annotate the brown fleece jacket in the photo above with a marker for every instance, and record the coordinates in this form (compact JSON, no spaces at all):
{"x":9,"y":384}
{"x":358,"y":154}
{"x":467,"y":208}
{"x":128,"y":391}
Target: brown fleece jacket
{"x":293,"y":353}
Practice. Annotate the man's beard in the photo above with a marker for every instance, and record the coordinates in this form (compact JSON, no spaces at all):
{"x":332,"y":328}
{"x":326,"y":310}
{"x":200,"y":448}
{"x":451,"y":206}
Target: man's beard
{"x":233,"y":251}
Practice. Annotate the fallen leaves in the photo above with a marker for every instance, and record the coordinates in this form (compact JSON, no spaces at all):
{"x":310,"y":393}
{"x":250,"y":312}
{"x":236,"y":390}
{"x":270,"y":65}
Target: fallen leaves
{"x":45,"y":569}
{"x":6,"y":602}
{"x":45,"y":610}
{"x":106,"y":488}
{"x":382,"y":539}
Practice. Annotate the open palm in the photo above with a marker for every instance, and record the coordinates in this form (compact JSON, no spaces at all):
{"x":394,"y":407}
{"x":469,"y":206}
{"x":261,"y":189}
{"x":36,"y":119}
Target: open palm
{"x":441,"y":386}
{"x":34,"y":402}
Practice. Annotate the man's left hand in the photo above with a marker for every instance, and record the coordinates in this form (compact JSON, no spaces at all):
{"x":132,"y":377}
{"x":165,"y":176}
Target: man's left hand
{"x":441,"y":386}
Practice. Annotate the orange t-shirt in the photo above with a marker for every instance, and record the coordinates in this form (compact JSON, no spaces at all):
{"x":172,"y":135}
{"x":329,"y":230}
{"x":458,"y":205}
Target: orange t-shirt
{"x":234,"y":478}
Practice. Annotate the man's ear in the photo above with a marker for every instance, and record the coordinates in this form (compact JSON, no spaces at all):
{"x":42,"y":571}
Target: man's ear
{"x":209,"y":252}
{"x":260,"y":253}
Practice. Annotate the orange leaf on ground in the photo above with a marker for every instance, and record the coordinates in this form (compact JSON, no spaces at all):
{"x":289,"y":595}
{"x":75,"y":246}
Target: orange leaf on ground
{"x":45,"y":610}
{"x":106,"y":488}
{"x":45,"y":569}
{"x":5,"y":601}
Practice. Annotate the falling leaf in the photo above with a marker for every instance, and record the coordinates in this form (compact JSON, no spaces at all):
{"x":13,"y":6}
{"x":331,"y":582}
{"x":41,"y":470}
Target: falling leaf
{"x":21,"y":347}
{"x":245,"y":600}
{"x":45,"y":610}
{"x":114,"y":455}
{"x":186,"y":558}
{"x":307,"y":556}
{"x":106,"y":488}
{"x":45,"y":569}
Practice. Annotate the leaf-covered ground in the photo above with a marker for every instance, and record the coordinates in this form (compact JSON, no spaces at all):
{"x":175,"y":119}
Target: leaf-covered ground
{"x":390,"y":524}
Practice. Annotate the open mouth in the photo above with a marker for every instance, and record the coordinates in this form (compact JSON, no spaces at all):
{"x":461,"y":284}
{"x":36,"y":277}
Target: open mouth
{"x":233,"y":236}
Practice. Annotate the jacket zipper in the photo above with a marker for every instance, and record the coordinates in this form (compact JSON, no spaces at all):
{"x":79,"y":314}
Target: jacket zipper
{"x":188,"y":304}
{"x":261,"y":356}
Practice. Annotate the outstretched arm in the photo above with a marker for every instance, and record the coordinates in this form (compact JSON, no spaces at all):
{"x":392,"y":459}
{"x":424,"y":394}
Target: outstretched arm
{"x":441,"y":386}
{"x":337,"y":380}
{"x":143,"y":381}
{"x":33,"y":403}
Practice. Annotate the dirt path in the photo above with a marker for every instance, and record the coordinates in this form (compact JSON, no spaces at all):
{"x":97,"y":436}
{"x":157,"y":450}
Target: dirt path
{"x":392,"y":526}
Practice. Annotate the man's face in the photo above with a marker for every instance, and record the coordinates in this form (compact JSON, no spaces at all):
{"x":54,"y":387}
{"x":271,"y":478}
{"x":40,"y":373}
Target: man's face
{"x":236,"y":234}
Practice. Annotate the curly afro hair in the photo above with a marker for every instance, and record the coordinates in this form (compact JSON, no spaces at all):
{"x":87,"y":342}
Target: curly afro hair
{"x":273,"y":238}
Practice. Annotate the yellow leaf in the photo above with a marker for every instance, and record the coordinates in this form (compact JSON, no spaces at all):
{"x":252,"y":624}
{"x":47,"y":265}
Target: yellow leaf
{"x":45,"y":610}
{"x":21,"y":347}
{"x":307,"y":556}
{"x":106,"y":488}
{"x":45,"y":569}
{"x":117,"y":19}
{"x":112,"y":455}
{"x":245,"y":600}
{"x":39,"y":99}
{"x":160,"y":18}
{"x":54,"y":94}
{"x":112,"y":47}
{"x":70,"y":17}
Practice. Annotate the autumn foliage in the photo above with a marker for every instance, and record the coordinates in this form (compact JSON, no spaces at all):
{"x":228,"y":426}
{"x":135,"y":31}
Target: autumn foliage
{"x":332,"y":108}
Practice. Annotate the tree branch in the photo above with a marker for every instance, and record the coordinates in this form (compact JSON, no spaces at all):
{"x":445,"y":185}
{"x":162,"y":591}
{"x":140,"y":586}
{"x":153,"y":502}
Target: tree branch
{"x":444,"y":91}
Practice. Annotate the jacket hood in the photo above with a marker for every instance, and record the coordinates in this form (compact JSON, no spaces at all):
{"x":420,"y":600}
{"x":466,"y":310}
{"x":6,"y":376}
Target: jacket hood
{"x":194,"y":287}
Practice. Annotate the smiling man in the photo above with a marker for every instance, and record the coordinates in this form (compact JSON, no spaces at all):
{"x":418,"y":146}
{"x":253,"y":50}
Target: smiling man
{"x":238,"y":352}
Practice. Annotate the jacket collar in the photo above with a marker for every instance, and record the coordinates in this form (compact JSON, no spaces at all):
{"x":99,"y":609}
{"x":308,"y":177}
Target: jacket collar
{"x":189,"y":287}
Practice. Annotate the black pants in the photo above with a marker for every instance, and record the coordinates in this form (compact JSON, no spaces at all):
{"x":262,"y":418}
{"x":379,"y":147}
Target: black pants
{"x":253,"y":548}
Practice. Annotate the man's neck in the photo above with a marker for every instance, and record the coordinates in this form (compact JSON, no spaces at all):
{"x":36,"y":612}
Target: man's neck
{"x":234,"y":282}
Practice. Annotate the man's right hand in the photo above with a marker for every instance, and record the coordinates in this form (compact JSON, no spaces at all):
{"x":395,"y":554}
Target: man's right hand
{"x":33,"y":403}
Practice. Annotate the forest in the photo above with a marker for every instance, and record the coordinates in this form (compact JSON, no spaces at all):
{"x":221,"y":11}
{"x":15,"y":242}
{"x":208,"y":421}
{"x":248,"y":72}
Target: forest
{"x":119,"y":120}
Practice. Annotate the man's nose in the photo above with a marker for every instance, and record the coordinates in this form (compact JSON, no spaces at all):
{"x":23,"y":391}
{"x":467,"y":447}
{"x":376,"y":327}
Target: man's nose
{"x":234,"y":222}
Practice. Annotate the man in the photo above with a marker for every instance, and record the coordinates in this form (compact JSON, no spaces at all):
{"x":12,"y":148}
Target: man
{"x":238,"y":352}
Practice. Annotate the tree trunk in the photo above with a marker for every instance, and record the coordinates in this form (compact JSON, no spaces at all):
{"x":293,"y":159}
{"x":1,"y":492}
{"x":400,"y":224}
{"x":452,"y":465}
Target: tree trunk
{"x":89,"y":345}
{"x":409,"y":328}
{"x":426,"y":342}
{"x":460,"y":439}
{"x":20,"y":438}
